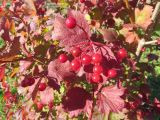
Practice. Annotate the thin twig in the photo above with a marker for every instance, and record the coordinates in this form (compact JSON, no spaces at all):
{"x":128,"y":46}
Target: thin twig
{"x":140,"y":46}
{"x":131,"y":18}
{"x":151,"y":42}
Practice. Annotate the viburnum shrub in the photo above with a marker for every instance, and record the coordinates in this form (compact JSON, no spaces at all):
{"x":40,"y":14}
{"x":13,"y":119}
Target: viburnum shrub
{"x":79,"y":60}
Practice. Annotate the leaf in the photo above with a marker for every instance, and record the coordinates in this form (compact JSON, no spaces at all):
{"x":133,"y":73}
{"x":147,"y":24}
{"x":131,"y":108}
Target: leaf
{"x":2,"y":43}
{"x":130,"y":35}
{"x":24,"y":65}
{"x":46,"y":96}
{"x":118,"y":116}
{"x":156,"y":32}
{"x":2,"y":72}
{"x":143,"y":17}
{"x":60,"y":71}
{"x":109,"y":99}
{"x":12,"y":27}
{"x":109,"y":35}
{"x":77,"y":100}
{"x":70,"y":37}
{"x":11,"y":52}
{"x":29,"y":7}
{"x":7,"y":24}
{"x":53,"y":84}
{"x":97,"y":115}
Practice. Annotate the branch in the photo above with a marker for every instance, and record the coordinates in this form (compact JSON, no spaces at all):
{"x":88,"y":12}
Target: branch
{"x":140,"y":46}
{"x":151,"y":42}
{"x":156,"y":12}
{"x":142,"y":42}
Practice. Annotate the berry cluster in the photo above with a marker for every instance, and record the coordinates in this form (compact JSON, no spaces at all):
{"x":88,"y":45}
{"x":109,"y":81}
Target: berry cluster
{"x":96,"y":59}
{"x":30,"y":81}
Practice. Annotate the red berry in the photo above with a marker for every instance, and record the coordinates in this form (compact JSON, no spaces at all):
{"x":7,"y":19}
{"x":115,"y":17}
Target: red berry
{"x":50,"y":105}
{"x":75,"y":65}
{"x":96,"y":78}
{"x":1,"y":9}
{"x":42,"y":86}
{"x":24,"y":83}
{"x":63,"y":58}
{"x":122,"y":53}
{"x":86,"y":59}
{"x":97,"y":69}
{"x":112,"y":73}
{"x":76,"y":52}
{"x":31,"y":81}
{"x":82,"y":1}
{"x":70,"y":22}
{"x":39,"y":106}
{"x":96,"y":58}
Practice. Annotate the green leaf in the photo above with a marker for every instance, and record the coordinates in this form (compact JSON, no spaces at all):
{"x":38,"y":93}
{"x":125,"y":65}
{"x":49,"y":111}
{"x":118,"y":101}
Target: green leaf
{"x":117,"y":116}
{"x":2,"y":43}
{"x":156,"y":32}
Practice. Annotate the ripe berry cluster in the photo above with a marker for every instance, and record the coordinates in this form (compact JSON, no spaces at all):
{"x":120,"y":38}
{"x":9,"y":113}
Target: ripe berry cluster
{"x":96,"y":60}
{"x":30,"y":81}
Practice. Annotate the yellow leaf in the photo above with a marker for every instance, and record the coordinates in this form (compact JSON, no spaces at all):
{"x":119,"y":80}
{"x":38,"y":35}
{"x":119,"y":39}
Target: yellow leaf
{"x":143,"y":17}
{"x":12,"y":27}
{"x":14,"y":71}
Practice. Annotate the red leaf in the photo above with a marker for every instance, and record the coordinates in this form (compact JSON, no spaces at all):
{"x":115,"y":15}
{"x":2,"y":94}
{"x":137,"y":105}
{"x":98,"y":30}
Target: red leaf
{"x":109,"y":99}
{"x":60,"y":71}
{"x":2,"y":73}
{"x":70,"y":37}
{"x":24,"y":65}
{"x":77,"y":100}
{"x":46,"y":96}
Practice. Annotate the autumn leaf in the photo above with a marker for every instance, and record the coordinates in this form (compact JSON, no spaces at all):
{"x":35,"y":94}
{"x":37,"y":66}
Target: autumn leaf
{"x":46,"y":96}
{"x":77,"y":100}
{"x":130,"y":35}
{"x":12,"y":27}
{"x":23,"y":65}
{"x":2,"y":72}
{"x":109,"y":99}
{"x":143,"y":17}
{"x":7,"y":24}
{"x":29,"y":7}
{"x":60,"y":71}
{"x":109,"y":35}
{"x":70,"y":37}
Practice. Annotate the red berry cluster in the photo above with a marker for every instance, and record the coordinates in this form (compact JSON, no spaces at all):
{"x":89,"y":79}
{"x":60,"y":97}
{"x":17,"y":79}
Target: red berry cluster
{"x":95,"y":60}
{"x":27,"y":82}
{"x":30,"y":81}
